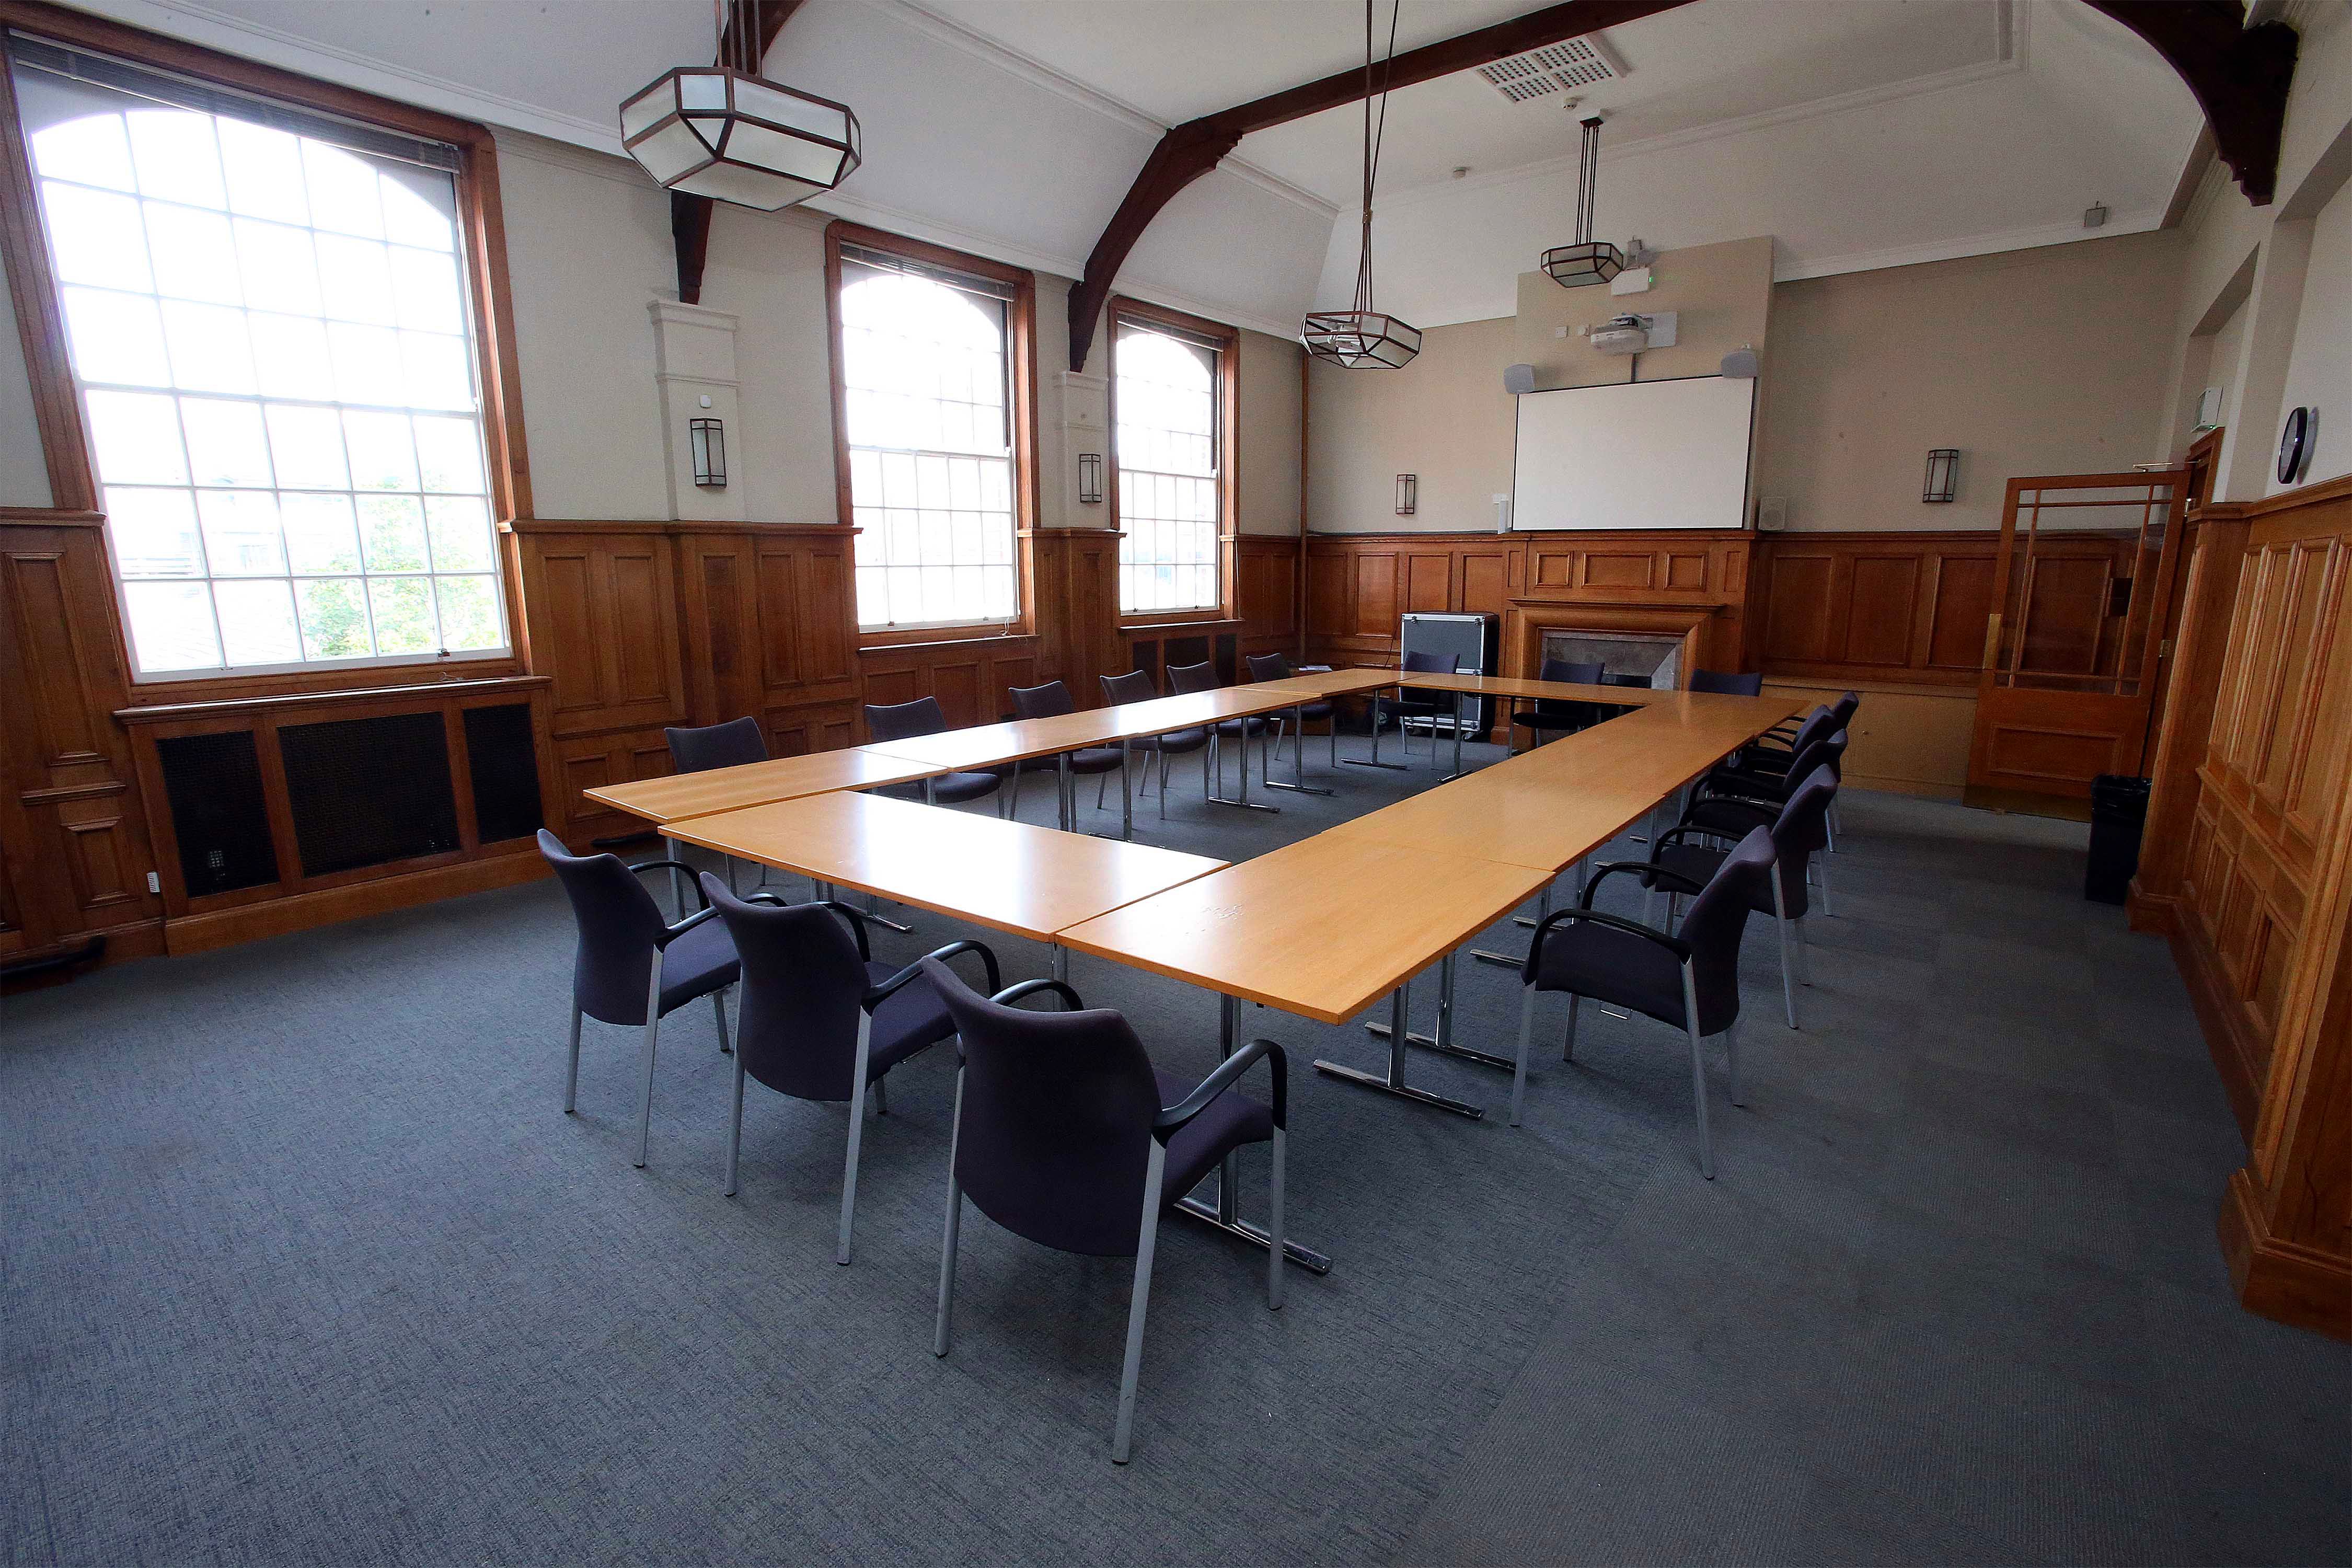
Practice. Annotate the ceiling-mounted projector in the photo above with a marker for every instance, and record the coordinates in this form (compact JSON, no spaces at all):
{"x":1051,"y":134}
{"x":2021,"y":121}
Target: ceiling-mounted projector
{"x":1633,"y":334}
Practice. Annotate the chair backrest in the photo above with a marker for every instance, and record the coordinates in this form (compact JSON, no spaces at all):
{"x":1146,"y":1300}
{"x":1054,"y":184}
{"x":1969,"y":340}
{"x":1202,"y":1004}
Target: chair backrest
{"x":1822,"y":751}
{"x":1819,"y":725}
{"x":1134,"y":686}
{"x":1727,"y":684}
{"x":804,"y":983}
{"x":1717,"y":920}
{"x":1842,"y":708}
{"x":1419,"y":663}
{"x":728,"y":745}
{"x":618,"y":924}
{"x":903,"y":720}
{"x":1571,"y":672}
{"x":1201,"y":677}
{"x":1801,"y":828}
{"x":1042,"y":702}
{"x":1626,"y":680}
{"x":1054,"y":1120}
{"x":1270,"y":667}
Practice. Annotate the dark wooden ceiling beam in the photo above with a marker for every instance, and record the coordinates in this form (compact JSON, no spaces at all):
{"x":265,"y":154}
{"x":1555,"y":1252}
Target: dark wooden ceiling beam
{"x":2239,"y":77}
{"x":689,"y":216}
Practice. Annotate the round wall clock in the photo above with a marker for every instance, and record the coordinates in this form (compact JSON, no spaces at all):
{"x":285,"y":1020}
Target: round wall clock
{"x":2294,"y":445}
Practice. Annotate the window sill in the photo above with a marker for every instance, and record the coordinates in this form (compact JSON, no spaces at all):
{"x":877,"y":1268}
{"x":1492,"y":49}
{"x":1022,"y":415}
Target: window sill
{"x":937,"y":636}
{"x":1158,"y":621}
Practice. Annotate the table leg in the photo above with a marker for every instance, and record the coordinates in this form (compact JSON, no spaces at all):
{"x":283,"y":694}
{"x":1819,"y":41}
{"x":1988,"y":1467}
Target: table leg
{"x":1069,"y":799}
{"x":1374,"y":759}
{"x":1245,"y":802}
{"x":1222,"y":1215}
{"x":1443,"y":1039}
{"x":1126,"y":788}
{"x":1298,"y":717}
{"x":1457,"y":743}
{"x":1392,"y":1082}
{"x":1543,"y":908}
{"x":1061,"y":962}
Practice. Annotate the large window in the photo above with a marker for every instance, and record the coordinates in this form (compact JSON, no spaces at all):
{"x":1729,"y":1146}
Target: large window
{"x":1168,"y":394}
{"x":932,"y":409}
{"x":272,"y":342}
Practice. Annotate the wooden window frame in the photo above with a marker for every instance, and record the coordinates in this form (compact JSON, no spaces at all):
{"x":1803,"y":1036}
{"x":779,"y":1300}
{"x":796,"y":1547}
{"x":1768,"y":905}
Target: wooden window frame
{"x":1229,"y":489}
{"x":1021,"y":328}
{"x":40,"y":322}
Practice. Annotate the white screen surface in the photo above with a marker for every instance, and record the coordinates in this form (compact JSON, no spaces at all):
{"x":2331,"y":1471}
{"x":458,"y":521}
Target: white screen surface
{"x":1645,"y":454}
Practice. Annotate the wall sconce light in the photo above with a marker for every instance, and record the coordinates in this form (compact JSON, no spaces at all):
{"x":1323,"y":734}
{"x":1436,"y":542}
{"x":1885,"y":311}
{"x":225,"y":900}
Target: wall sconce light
{"x":1090,"y":477}
{"x":710,"y":441}
{"x":1943,"y":474}
{"x":1408,"y":494}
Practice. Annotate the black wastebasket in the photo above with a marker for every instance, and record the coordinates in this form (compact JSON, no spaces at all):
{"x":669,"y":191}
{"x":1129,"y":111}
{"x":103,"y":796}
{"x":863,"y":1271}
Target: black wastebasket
{"x":2118,"y":814}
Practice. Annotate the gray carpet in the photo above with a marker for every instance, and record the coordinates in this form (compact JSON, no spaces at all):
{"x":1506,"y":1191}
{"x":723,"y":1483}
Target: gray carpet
{"x":303,"y":1264}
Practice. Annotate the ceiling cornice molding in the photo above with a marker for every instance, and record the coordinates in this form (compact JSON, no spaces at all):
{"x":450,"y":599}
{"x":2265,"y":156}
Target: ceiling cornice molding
{"x":196,"y":23}
{"x":2014,"y":60}
{"x":1037,"y":73}
{"x":1792,"y":269}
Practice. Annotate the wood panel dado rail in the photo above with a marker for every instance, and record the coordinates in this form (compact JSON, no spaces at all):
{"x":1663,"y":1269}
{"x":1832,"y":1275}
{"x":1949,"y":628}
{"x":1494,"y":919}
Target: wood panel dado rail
{"x":2249,"y":872}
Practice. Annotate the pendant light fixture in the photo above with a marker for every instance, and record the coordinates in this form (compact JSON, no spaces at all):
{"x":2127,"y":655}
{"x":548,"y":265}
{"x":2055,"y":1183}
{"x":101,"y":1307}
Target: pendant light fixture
{"x":1588,"y":260}
{"x":727,"y":132}
{"x":1361,"y":338}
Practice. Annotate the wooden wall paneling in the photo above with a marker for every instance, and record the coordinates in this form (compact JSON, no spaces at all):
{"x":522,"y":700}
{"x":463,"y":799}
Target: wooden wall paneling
{"x":1908,"y":608}
{"x":2176,"y":828}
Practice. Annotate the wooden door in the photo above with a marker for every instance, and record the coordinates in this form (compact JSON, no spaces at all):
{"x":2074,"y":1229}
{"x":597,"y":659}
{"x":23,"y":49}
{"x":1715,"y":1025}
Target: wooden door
{"x":2081,"y":590}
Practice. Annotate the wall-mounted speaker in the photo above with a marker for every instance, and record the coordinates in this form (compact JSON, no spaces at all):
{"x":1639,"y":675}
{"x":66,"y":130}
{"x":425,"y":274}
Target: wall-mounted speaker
{"x":1772,"y":514}
{"x":1518,"y":379}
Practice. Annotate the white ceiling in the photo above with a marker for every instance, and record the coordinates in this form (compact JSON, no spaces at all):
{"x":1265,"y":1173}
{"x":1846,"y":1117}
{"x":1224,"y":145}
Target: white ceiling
{"x":1858,"y":132}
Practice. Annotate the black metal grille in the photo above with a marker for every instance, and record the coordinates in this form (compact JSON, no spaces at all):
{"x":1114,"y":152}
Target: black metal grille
{"x":505,"y":769}
{"x":218,"y":814}
{"x":368,"y":791}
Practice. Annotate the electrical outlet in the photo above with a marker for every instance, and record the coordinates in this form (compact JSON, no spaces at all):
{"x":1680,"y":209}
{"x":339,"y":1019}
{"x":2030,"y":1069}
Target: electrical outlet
{"x":1560,"y":331}
{"x":154,"y":883}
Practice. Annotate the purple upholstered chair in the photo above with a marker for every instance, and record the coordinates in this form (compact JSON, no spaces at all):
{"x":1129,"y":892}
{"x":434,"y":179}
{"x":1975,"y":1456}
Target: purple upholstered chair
{"x":699,"y":750}
{"x":819,"y":1019}
{"x":1698,"y":845}
{"x":1278,"y":667}
{"x":1068,"y":1135}
{"x":631,"y":967}
{"x":1049,"y":701}
{"x":1726,"y":684}
{"x":1816,"y":747}
{"x":905,"y":721}
{"x":1184,"y":678}
{"x":1689,"y":980}
{"x":1550,"y":715}
{"x":1136,"y":686}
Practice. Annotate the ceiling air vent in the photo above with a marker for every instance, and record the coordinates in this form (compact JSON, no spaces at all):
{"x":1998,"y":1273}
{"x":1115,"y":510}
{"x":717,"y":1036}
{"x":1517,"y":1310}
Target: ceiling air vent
{"x":1552,"y":69}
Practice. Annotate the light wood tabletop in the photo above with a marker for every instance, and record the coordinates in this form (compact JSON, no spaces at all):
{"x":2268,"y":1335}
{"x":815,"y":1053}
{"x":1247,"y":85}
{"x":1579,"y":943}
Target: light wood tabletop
{"x":1327,"y":683}
{"x":680,"y":796}
{"x":1506,"y":815}
{"x":1321,"y":927}
{"x":1008,"y":875}
{"x":989,"y":745}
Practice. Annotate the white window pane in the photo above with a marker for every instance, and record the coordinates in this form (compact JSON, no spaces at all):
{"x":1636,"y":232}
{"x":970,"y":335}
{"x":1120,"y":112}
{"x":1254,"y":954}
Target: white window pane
{"x":393,"y":528}
{"x":873,"y":597}
{"x":321,"y":535}
{"x":194,"y":254}
{"x":154,"y":533}
{"x":469,"y":612}
{"x":264,"y":169}
{"x":367,"y":364}
{"x":256,"y":622}
{"x":241,"y":537}
{"x":968,"y":595}
{"x":403,"y":615}
{"x":998,"y":593}
{"x":116,"y":338}
{"x":334,"y":618}
{"x":939,"y":594}
{"x":425,"y":290}
{"x":355,"y":281}
{"x":421,"y":212}
{"x":290,"y":357}
{"x":937,"y":539}
{"x":174,"y":151}
{"x":280,"y":266}
{"x":211,"y":350}
{"x":171,"y":626}
{"x":135,"y":436}
{"x":905,"y":536}
{"x":306,"y":446}
{"x":450,"y":451}
{"x":342,"y":191}
{"x":439,"y":372}
{"x":865,"y":479}
{"x":382,"y":456}
{"x":226,"y":446}
{"x":996,"y":541}
{"x":906,"y":596}
{"x":92,"y":150}
{"x":96,"y":238}
{"x":459,"y":527}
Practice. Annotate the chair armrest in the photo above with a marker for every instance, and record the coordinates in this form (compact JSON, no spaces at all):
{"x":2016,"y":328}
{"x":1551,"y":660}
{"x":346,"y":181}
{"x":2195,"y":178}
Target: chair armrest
{"x":693,"y":877}
{"x":1681,"y":832}
{"x":1012,"y":994}
{"x":1174,"y":1117}
{"x":670,"y":933}
{"x":1652,"y":876}
{"x":1674,"y":944}
{"x":878,"y":994}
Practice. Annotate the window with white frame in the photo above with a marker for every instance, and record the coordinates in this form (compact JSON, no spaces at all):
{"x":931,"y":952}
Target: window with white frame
{"x":272,"y":341}
{"x":926,"y":369}
{"x":1166,"y":447}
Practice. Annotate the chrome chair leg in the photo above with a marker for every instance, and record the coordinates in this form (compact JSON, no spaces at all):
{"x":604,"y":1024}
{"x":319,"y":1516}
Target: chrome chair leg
{"x":1275,"y":1233}
{"x":955,"y":1219}
{"x":857,"y":1127}
{"x":1787,"y":964}
{"x":735,"y":1128}
{"x":1698,"y":1072}
{"x":1139,"y":1301}
{"x":719,"y":1005}
{"x":1526,"y":1033}
{"x":652,"y":1035}
{"x":1823,"y":862}
{"x":1568,"y":1042}
{"x":571,"y":1074}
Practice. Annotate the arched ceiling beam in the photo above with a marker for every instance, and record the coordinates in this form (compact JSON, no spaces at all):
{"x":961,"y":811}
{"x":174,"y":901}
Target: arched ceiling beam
{"x":2239,"y":74}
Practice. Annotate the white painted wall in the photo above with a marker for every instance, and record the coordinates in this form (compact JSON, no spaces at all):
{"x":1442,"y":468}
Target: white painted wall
{"x":24,"y":473}
{"x":2319,"y":370}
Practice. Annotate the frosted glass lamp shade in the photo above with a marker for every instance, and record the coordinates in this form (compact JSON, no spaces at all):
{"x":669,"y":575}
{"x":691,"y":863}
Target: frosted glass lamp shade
{"x":712,"y":131}
{"x":1360,"y":340}
{"x":1578,"y":266}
